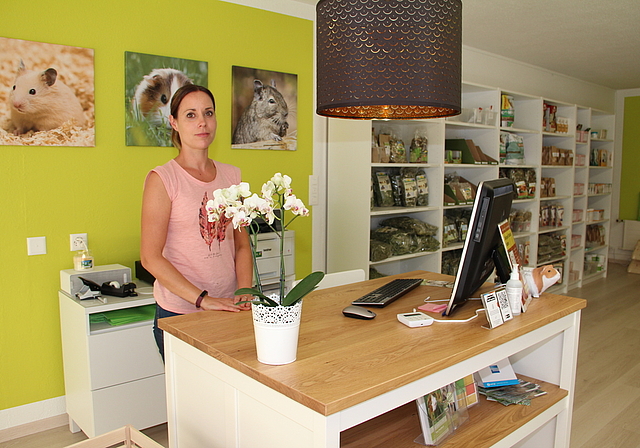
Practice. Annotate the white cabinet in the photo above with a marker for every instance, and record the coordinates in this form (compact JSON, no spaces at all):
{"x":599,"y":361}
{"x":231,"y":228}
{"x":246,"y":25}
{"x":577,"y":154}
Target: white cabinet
{"x":351,"y":215}
{"x":341,"y":394}
{"x":268,"y":260}
{"x":113,"y":375}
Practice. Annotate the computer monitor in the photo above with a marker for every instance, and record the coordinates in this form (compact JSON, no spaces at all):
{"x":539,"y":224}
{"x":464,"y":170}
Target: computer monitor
{"x":483,"y":249}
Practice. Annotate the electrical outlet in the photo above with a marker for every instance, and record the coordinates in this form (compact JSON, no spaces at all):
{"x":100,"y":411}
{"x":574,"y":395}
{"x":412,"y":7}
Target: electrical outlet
{"x":79,"y":241}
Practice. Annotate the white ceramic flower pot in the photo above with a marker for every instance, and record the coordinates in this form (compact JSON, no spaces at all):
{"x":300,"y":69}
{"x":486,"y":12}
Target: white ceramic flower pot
{"x":276,"y":331}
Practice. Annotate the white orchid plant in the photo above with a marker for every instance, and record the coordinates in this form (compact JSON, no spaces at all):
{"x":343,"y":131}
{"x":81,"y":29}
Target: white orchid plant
{"x":242,"y":207}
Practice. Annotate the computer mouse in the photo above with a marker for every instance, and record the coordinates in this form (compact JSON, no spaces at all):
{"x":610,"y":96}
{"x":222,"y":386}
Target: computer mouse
{"x":358,"y":312}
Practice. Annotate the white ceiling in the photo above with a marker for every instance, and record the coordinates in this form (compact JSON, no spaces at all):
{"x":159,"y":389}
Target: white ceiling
{"x":593,"y":40}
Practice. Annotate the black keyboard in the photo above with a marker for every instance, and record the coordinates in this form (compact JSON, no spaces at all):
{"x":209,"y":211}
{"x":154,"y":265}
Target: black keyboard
{"x":389,"y":292}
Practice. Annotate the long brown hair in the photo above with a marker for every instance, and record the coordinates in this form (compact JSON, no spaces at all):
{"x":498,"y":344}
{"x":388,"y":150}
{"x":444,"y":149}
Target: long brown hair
{"x":175,"y":106}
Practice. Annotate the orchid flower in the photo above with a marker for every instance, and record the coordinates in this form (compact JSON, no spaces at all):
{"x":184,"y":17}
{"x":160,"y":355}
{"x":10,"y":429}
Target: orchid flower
{"x":238,"y":204}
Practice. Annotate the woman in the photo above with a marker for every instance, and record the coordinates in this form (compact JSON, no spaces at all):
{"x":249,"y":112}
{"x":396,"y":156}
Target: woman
{"x":197,"y":266}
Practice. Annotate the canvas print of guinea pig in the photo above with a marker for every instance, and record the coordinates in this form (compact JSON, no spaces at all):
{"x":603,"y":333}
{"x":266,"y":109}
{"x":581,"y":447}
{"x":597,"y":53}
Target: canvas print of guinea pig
{"x":40,"y":101}
{"x":152,"y":98}
{"x":265,"y":118}
{"x":542,"y":278}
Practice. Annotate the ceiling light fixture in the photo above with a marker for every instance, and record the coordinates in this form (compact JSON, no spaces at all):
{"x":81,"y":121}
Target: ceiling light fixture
{"x":395,"y":59}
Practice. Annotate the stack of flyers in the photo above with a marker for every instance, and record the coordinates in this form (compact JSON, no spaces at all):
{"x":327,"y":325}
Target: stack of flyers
{"x":520,"y":393}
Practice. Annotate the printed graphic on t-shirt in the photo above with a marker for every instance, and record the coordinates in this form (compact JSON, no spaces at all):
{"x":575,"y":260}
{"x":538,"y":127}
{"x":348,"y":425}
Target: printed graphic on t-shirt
{"x":211,"y":231}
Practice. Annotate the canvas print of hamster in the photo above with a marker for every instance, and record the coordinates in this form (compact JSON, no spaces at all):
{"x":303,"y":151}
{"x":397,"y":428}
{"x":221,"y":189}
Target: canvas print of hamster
{"x":265,"y":118}
{"x":152,"y":99}
{"x":40,"y":101}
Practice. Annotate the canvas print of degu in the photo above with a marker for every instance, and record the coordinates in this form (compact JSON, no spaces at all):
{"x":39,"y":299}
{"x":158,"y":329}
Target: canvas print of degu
{"x":46,"y":94}
{"x":264,"y":110}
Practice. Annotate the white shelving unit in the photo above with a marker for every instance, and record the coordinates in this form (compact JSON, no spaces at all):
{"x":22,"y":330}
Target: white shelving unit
{"x":113,"y":376}
{"x":351,"y":215}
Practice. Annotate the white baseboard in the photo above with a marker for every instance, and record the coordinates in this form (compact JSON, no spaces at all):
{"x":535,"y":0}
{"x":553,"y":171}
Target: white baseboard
{"x":32,"y":418}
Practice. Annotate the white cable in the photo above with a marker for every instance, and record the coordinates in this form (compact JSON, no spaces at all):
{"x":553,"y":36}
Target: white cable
{"x":428,"y":299}
{"x":461,"y":321}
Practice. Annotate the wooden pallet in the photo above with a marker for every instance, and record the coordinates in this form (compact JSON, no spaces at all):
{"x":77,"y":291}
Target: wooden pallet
{"x":127,"y":437}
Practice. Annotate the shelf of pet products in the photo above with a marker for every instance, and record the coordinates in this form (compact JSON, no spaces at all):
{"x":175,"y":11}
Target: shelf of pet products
{"x":576,"y":223}
{"x":595,"y":266}
{"x":520,"y":235}
{"x":462,"y":125}
{"x":405,"y":165}
{"x":467,"y":165}
{"x":594,"y":195}
{"x":506,"y":165}
{"x":404,"y":257}
{"x":523,"y":201}
{"x":518,"y":130}
{"x":595,"y":248}
{"x":394,"y":210}
{"x":552,"y":261}
{"x":597,"y":221}
{"x":556,"y":198}
{"x":559,"y":135}
{"x":455,"y":246}
{"x":597,"y":168}
{"x":552,"y":247}
{"x":603,"y":140}
{"x":398,"y":238}
{"x":549,"y":229}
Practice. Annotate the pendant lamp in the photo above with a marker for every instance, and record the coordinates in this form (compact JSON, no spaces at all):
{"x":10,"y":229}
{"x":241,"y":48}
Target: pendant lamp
{"x":395,"y":59}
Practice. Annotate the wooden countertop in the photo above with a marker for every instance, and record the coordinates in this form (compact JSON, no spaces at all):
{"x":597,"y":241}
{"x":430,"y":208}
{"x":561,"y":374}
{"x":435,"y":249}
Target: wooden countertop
{"x":342,"y":361}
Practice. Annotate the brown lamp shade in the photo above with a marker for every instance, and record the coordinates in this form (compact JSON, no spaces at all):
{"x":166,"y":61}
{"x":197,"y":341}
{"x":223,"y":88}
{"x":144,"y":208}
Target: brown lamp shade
{"x":396,"y":59}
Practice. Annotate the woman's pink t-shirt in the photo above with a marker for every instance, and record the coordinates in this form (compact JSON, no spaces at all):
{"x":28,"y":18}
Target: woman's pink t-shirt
{"x":201,"y":251}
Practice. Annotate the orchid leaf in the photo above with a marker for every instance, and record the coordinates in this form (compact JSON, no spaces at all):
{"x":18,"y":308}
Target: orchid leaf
{"x":254,"y":292}
{"x":303,"y":288}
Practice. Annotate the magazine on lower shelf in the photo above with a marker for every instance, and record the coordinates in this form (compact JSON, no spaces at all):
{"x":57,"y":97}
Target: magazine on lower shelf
{"x":442,"y":412}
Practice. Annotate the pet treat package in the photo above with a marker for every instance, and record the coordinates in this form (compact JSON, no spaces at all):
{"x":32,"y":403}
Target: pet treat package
{"x":418,"y":152}
{"x":507,"y":111}
{"x":402,"y":235}
{"x":383,"y":192}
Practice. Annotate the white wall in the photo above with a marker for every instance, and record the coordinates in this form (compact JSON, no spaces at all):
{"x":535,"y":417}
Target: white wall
{"x":492,"y":70}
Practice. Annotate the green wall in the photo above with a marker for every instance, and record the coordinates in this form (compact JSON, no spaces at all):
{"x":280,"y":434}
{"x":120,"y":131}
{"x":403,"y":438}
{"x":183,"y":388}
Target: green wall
{"x":55,"y":191}
{"x":629,"y":179}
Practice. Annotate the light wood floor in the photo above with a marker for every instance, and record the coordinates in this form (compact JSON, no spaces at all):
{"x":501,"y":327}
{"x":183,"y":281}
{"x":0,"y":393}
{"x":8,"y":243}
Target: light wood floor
{"x":607,"y":400}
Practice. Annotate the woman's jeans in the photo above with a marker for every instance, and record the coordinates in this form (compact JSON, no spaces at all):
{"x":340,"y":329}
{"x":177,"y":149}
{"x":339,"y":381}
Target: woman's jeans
{"x":157,"y":332}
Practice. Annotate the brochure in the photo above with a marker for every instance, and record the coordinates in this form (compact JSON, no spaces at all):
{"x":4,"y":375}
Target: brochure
{"x":499,"y":374}
{"x":514,"y":258}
